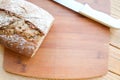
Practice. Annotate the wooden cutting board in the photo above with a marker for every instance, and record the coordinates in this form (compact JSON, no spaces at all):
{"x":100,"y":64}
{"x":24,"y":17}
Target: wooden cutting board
{"x":76,"y":47}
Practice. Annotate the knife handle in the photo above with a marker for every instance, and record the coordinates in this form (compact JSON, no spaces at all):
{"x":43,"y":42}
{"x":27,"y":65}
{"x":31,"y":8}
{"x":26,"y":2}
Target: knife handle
{"x":100,"y":17}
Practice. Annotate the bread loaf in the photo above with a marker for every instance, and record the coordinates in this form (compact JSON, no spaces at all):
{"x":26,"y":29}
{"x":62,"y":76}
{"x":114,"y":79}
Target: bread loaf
{"x":23,"y":26}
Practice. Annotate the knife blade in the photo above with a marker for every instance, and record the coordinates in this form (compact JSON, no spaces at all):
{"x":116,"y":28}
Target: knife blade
{"x":91,"y":13}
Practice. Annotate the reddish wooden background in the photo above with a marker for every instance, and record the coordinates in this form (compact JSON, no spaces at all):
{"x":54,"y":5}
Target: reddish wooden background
{"x":76,"y":47}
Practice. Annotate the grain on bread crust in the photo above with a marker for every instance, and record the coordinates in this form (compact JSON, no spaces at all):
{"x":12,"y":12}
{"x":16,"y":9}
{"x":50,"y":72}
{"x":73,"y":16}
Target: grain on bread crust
{"x":22,"y":27}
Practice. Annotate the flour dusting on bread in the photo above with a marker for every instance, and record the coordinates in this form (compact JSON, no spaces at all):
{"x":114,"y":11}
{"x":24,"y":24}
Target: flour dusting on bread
{"x":23,"y":26}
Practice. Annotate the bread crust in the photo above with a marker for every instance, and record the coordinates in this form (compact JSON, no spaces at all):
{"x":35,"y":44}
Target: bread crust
{"x":38,"y":20}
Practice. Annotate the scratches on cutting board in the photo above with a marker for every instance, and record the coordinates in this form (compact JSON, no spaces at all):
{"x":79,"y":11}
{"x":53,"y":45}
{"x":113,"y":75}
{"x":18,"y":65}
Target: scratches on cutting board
{"x":100,"y":55}
{"x":22,"y":65}
{"x":18,"y":60}
{"x":96,"y":1}
{"x":23,"y":68}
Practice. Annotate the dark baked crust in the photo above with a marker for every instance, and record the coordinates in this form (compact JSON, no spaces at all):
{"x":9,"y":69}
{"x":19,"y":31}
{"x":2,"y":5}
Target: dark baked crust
{"x":23,"y":26}
{"x":18,"y":44}
{"x":20,"y":37}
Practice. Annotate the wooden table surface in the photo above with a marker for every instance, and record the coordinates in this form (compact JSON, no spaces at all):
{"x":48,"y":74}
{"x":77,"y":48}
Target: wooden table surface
{"x":113,"y":59}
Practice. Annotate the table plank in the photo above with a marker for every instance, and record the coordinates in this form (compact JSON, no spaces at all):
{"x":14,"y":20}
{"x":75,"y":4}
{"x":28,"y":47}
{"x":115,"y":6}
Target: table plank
{"x":114,"y":63}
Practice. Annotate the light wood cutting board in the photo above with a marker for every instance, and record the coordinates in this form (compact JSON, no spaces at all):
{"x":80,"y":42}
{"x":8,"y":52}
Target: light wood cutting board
{"x":76,"y":47}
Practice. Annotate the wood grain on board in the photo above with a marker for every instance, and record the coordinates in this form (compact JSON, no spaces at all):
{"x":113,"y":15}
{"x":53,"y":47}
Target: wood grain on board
{"x":76,"y":47}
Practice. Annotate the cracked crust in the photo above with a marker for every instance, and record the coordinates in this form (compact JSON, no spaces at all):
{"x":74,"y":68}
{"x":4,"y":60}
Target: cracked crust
{"x":22,"y":27}
{"x":22,"y":9}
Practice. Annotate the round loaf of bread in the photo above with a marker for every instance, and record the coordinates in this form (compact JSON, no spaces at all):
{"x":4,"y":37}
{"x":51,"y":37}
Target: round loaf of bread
{"x":23,"y":26}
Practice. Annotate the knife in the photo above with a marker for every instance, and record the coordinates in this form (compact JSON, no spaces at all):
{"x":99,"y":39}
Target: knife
{"x":91,"y":13}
